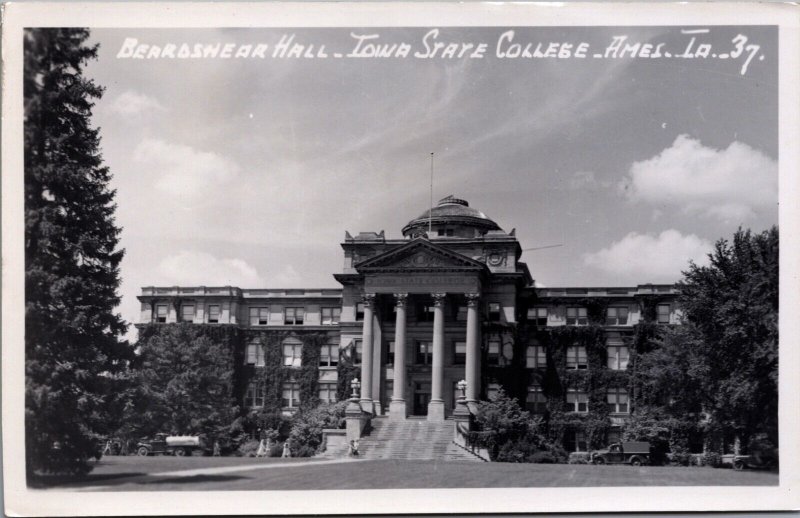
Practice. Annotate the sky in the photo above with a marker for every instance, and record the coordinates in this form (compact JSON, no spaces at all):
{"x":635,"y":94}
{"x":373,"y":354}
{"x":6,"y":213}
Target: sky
{"x":248,"y":171}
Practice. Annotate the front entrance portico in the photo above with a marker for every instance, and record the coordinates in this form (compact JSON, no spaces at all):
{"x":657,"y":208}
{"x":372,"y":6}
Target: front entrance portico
{"x":409,"y":274}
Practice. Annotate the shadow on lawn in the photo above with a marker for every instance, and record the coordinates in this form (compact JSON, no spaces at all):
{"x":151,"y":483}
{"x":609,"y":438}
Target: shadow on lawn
{"x":49,"y":481}
{"x":193,"y":480}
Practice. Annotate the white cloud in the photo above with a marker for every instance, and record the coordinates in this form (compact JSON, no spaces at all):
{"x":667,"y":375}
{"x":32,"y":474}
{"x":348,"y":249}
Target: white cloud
{"x":650,"y":258}
{"x":131,"y":104}
{"x":182,"y":170}
{"x":729,"y":184}
{"x":189,"y":268}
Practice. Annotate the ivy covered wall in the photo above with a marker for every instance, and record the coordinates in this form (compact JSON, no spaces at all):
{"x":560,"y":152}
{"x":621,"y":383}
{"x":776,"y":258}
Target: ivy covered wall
{"x":556,"y":379}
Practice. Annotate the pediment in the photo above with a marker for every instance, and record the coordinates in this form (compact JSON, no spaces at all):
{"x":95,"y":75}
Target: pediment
{"x":420,"y":254}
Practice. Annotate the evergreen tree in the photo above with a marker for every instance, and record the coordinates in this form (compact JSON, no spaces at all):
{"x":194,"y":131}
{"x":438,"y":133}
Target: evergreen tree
{"x":185,"y":381}
{"x":75,"y":361}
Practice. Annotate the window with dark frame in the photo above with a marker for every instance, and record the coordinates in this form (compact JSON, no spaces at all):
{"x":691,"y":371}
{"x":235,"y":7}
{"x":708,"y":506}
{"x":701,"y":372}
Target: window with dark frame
{"x":213,"y":314}
{"x":425,"y":313}
{"x":360,"y":312}
{"x":618,"y":401}
{"x":161,"y":313}
{"x":577,"y":316}
{"x":663,"y":313}
{"x":329,"y":355}
{"x":327,"y":392}
{"x":617,"y":316}
{"x":577,"y":401}
{"x":576,"y":357}
{"x":535,"y":401}
{"x":390,"y":353}
{"x":536,"y":357}
{"x":259,"y":316}
{"x":459,"y":353}
{"x":618,"y":353}
{"x":493,"y":349}
{"x":255,"y":354}
{"x":254,"y":395}
{"x":494,"y":311}
{"x":331,"y":316}
{"x":187,"y":313}
{"x":293,"y":316}
{"x":423,"y":353}
{"x":538,"y":316}
{"x":290,"y":396}
{"x":292,"y":353}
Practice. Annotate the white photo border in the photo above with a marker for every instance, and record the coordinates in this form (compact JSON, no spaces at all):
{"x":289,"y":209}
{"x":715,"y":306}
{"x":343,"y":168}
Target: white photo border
{"x":20,"y":500}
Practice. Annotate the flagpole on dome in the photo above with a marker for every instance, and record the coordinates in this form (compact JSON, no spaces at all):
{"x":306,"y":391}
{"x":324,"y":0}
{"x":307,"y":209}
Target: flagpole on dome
{"x":430,"y":212}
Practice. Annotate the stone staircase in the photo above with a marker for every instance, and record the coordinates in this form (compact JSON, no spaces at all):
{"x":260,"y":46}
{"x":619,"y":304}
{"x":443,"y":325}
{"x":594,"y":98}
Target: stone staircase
{"x":412,"y":439}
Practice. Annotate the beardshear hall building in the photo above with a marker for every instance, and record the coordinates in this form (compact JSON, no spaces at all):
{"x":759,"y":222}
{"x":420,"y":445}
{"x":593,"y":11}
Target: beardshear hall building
{"x":447,"y":300}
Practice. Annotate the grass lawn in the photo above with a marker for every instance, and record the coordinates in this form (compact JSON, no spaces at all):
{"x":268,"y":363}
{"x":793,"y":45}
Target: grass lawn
{"x":208,"y":473}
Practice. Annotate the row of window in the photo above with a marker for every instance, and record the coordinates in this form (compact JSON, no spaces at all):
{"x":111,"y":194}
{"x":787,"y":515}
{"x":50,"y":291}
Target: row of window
{"x":292,"y":354}
{"x":259,"y":316}
{"x":577,"y":401}
{"x":536,"y":355}
{"x":290,"y":394}
{"x":616,"y":398}
{"x":615,"y":315}
{"x":188,"y":313}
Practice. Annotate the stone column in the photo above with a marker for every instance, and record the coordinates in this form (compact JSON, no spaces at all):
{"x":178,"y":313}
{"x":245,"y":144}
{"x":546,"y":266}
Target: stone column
{"x":471,"y":369}
{"x":397,"y":407}
{"x":366,"y":356}
{"x":436,"y":406}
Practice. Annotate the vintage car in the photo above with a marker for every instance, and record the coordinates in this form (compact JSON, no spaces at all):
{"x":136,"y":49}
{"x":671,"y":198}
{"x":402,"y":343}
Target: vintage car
{"x":179,"y":445}
{"x":759,"y":460}
{"x":634,"y":453}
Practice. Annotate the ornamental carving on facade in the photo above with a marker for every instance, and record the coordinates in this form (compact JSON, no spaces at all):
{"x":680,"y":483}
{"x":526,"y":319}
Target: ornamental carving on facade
{"x":368,"y":299}
{"x":422,"y":260}
{"x":438,"y":299}
{"x":494,"y":257}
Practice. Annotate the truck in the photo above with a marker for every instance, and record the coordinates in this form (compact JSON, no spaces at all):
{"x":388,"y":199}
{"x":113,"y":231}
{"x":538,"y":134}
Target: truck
{"x":634,"y":453}
{"x":179,"y":445}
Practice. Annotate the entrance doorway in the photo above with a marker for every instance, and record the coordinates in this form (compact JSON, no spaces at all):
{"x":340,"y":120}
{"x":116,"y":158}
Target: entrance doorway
{"x":422,"y":396}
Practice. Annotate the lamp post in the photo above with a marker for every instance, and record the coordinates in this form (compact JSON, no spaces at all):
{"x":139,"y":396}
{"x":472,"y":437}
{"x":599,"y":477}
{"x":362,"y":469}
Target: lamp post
{"x":355,"y":385}
{"x":462,"y":386}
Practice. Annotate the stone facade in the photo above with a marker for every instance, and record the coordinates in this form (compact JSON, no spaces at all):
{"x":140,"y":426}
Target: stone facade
{"x":450,"y":300}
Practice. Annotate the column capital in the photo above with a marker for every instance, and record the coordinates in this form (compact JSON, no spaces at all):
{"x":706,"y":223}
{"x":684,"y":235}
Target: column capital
{"x":473,"y":299}
{"x":368,"y":299}
{"x":438,"y":299}
{"x":400,"y":299}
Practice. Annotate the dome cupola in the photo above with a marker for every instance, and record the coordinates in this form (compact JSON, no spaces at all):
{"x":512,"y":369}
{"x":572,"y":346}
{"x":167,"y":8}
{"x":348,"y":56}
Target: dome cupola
{"x":451,"y":217}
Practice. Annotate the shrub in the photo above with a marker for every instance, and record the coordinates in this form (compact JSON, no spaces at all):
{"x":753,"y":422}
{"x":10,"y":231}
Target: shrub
{"x":712,"y":458}
{"x":543,"y":457}
{"x":680,"y":458}
{"x":306,"y":432}
{"x":276,"y":450}
{"x":248,"y":449}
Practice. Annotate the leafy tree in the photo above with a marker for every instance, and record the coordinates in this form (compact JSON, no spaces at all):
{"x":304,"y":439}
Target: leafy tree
{"x":723,"y":361}
{"x":185,"y":380}
{"x":75,"y":361}
{"x":732,"y":307}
